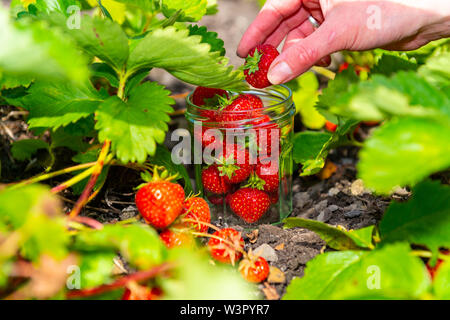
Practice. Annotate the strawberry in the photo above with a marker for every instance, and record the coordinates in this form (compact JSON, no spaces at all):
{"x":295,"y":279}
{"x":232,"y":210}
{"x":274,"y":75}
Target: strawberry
{"x":240,"y":108}
{"x":358,"y":68}
{"x":250,"y":204}
{"x":269,"y":175}
{"x":218,"y":200}
{"x":197,"y":208}
{"x":274,"y":196}
{"x":213,"y":182}
{"x":160,"y":201}
{"x":228,"y":249}
{"x":176,"y":238}
{"x":330,"y":126}
{"x":234,"y":164}
{"x":254,"y":268}
{"x":207,"y":96}
{"x":138,"y":292}
{"x":257,"y":65}
{"x":264,"y":127}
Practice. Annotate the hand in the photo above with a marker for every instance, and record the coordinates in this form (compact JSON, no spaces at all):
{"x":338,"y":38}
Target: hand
{"x":345,"y":25}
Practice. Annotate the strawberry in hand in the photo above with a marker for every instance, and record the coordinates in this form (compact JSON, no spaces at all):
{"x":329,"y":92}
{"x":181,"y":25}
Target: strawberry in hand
{"x":257,"y":65}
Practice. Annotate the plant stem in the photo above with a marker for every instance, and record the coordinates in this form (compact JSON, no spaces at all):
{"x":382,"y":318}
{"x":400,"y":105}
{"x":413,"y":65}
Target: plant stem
{"x":200,"y":222}
{"x":121,"y":282}
{"x":94,"y":224}
{"x":96,"y":170}
{"x":50,"y":175}
{"x":207,"y":235}
{"x":324,"y":72}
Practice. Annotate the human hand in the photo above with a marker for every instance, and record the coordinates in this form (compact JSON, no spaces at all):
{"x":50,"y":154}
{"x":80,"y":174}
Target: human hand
{"x":345,"y":25}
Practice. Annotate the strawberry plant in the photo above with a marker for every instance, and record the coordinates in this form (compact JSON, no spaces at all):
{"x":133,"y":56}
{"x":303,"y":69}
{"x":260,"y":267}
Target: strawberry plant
{"x":408,"y":94}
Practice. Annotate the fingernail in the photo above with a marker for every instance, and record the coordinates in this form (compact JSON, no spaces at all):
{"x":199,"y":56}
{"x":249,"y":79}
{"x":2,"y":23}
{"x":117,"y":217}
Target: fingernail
{"x":279,"y":73}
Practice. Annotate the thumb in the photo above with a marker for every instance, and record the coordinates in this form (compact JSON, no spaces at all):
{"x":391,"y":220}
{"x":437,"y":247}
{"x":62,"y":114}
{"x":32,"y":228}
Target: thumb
{"x":301,"y":56}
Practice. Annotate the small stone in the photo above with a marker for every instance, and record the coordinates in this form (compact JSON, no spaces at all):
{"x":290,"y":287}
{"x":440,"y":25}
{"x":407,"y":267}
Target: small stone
{"x":401,"y":192}
{"x":321,"y":205}
{"x":128,"y":213}
{"x":323,"y":216}
{"x":357,"y":187}
{"x":333,"y":208}
{"x":301,"y":199}
{"x":296,"y":188}
{"x":353,"y":213}
{"x":267,"y":252}
{"x":333,"y":192}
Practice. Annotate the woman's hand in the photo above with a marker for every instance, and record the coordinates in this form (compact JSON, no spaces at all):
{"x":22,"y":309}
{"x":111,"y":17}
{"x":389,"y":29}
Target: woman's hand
{"x":345,"y":25}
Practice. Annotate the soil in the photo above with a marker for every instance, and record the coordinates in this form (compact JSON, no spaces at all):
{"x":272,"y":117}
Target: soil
{"x":339,"y":200}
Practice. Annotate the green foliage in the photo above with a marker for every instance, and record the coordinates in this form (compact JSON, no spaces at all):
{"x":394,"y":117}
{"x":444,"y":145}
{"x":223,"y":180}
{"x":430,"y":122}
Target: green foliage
{"x":441,"y":287}
{"x":423,"y":220}
{"x":208,"y":37}
{"x":335,"y":237}
{"x":135,"y":126}
{"x":186,"y":58}
{"x":305,"y":95}
{"x":34,"y":50}
{"x":25,"y":149}
{"x":387,"y":273}
{"x":403,"y":152}
{"x":192,"y":10}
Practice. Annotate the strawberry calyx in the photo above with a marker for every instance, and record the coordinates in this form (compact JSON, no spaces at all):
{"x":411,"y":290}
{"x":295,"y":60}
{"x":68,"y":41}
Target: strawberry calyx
{"x":255,"y":182}
{"x":252,"y":62}
{"x":227,"y":166}
{"x":154,"y":176}
{"x":224,"y":102}
{"x":212,"y":103}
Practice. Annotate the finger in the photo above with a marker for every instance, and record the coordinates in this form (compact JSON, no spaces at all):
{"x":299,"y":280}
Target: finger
{"x":305,"y":53}
{"x":294,"y":36}
{"x":301,"y":32}
{"x":269,"y":18}
{"x":286,"y":26}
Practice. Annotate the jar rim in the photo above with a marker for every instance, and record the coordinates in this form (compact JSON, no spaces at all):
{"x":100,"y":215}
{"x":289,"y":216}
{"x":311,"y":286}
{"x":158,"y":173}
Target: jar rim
{"x":286,"y":99}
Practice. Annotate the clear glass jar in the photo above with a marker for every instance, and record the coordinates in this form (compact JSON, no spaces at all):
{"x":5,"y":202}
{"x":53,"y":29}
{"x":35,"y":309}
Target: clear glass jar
{"x":251,"y":150}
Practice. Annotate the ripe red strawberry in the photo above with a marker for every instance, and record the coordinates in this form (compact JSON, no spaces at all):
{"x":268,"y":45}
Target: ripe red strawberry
{"x":160,"y":202}
{"x":257,"y":65}
{"x":234,"y":164}
{"x":330,"y":126}
{"x":358,"y":68}
{"x":226,"y":250}
{"x":213,"y":182}
{"x":197,"y":209}
{"x":218,"y":200}
{"x":139,"y":292}
{"x":207,"y":96}
{"x":254,"y":268}
{"x":240,"y":108}
{"x":264,"y":127}
{"x":250,"y":204}
{"x":176,"y":238}
{"x":269,"y":174}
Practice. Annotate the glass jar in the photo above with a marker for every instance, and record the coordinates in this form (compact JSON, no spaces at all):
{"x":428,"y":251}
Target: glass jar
{"x":243,"y":159}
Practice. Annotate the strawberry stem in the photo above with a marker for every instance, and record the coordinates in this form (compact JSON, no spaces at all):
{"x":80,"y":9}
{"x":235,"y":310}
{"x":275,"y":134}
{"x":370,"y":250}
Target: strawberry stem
{"x":208,"y":235}
{"x":200,"y":222}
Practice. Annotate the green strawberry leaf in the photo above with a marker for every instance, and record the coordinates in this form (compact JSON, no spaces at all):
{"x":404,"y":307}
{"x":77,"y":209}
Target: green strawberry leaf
{"x":208,"y":37}
{"x":98,"y":37}
{"x":36,"y":216}
{"x":403,"y":152}
{"x":61,"y":6}
{"x":391,"y":272}
{"x":96,"y":269}
{"x":136,"y":126}
{"x":211,"y":8}
{"x":34,"y":50}
{"x":305,"y":95}
{"x":9,"y":81}
{"x":423,"y":220}
{"x":192,"y":10}
{"x":103,"y":70}
{"x":186,"y":58}
{"x":194,"y":277}
{"x":56,"y":104}
{"x":437,"y":70}
{"x":139,"y":244}
{"x":335,"y":237}
{"x":24,"y":149}
{"x":389,"y":64}
{"x":308,"y":144}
